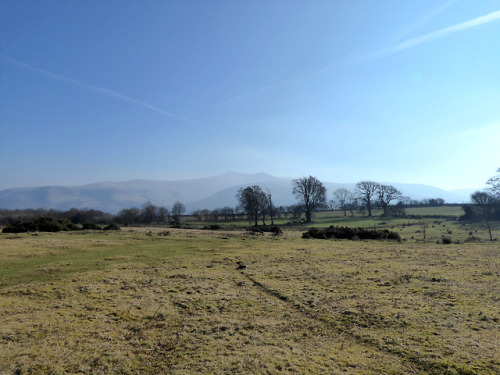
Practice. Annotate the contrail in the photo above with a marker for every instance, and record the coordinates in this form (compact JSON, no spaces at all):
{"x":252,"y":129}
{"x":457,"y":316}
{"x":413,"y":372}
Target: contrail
{"x":494,"y":16}
{"x":36,"y":28}
{"x":251,"y":94}
{"x":98,"y":89}
{"x":415,"y":24}
{"x":323,"y":69}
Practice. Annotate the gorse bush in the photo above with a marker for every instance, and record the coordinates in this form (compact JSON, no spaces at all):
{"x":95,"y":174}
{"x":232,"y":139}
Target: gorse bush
{"x":212,"y":227}
{"x":112,"y":226}
{"x":274,"y":229}
{"x":91,"y":226}
{"x":51,"y":224}
{"x":42,"y":224}
{"x":446,"y":240}
{"x":351,"y":233}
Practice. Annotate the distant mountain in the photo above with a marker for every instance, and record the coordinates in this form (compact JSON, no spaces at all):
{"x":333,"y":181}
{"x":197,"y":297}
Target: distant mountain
{"x":211,"y":192}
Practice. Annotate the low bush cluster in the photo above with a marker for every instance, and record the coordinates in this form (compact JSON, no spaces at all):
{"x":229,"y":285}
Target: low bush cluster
{"x":212,"y":227}
{"x":446,"y":240}
{"x":274,"y":229}
{"x":42,"y":224}
{"x":91,"y":226}
{"x":112,"y":226}
{"x":51,"y":224}
{"x":351,"y":233}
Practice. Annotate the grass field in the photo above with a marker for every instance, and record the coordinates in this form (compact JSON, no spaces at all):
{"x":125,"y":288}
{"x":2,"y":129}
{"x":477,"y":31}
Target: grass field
{"x":336,"y":217}
{"x":211,"y":302}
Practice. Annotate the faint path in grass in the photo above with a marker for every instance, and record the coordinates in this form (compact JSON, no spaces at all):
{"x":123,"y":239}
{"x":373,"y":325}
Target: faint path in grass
{"x":342,"y":325}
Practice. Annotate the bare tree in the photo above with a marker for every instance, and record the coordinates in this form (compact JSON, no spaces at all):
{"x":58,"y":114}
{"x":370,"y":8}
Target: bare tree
{"x":129,"y":215}
{"x":253,"y":200}
{"x":163,"y":214}
{"x":406,"y":201}
{"x":386,"y":194}
{"x":198,"y":214}
{"x":227,"y":212}
{"x":423,"y":226}
{"x":342,"y":199}
{"x":397,"y":210}
{"x":239,"y":212}
{"x":366,"y":190}
{"x":295,"y":211}
{"x":494,"y":183}
{"x":353,"y":205}
{"x":311,"y":193}
{"x":270,"y":206}
{"x":214,"y":214}
{"x":484,"y":208}
{"x":177,"y":210}
{"x":149,"y":212}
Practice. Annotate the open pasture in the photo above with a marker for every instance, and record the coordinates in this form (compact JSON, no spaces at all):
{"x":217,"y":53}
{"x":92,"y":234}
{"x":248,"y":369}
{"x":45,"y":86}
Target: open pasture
{"x":212,"y":302}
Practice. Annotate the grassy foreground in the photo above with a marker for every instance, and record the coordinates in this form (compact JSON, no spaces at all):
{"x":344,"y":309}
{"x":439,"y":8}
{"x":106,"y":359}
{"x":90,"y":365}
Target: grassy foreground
{"x":202,"y":302}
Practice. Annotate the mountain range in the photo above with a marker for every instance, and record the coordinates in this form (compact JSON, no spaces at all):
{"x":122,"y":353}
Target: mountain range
{"x":211,"y":192}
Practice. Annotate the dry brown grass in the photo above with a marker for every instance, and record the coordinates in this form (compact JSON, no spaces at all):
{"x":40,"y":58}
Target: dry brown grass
{"x":228,"y":302}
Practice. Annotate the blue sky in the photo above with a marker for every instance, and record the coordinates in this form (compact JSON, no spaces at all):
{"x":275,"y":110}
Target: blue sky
{"x":386,"y":90}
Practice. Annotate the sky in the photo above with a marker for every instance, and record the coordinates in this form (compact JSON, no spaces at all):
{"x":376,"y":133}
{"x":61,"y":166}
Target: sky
{"x":344,"y":90}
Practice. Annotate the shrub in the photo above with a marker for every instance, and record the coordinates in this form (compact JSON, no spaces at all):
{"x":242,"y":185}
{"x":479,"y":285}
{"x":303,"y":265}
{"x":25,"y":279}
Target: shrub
{"x":472,"y":239}
{"x":91,"y":226}
{"x":212,"y":227}
{"x":351,"y":233}
{"x":112,"y":226}
{"x":274,"y":229}
{"x":446,"y":240}
{"x":42,"y":224}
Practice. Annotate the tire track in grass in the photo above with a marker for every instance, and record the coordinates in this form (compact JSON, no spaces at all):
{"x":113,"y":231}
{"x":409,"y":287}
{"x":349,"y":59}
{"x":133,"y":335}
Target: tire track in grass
{"x":423,"y":365}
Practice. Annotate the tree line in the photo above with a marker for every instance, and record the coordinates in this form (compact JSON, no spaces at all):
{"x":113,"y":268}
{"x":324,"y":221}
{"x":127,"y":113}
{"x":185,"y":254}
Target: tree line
{"x":74,"y":215}
{"x":256,"y":203}
{"x":311,"y":195}
{"x":148,"y":213}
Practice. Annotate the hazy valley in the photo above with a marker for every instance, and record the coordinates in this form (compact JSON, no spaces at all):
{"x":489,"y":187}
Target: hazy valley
{"x":209,"y":193}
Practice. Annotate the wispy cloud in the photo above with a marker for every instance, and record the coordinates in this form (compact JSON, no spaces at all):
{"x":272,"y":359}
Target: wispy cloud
{"x":97,"y":89}
{"x":494,"y":16}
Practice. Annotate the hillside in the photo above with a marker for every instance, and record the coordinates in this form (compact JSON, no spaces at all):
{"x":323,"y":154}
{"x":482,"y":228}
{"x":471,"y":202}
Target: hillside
{"x":210,"y":192}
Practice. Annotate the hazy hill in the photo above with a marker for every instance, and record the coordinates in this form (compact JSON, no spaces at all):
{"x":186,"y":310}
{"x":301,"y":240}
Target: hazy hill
{"x":210,"y":192}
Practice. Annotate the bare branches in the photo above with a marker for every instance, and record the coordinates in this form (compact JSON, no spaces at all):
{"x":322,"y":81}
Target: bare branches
{"x":311,"y":193}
